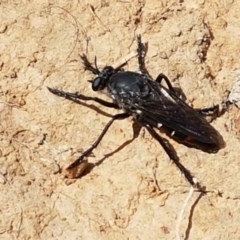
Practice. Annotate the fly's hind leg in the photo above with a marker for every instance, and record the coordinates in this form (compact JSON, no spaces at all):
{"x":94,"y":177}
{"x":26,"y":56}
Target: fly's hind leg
{"x":173,"y":156}
{"x":214,"y":111}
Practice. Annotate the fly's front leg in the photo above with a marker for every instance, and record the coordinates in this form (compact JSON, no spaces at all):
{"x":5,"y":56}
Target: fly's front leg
{"x":75,"y":97}
{"x":88,"y":66}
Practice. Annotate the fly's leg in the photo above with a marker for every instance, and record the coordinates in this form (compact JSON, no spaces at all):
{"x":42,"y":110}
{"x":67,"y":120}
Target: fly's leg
{"x":210,"y":111}
{"x":86,"y":153}
{"x":141,"y":52}
{"x":75,"y":97}
{"x":173,"y":156}
{"x":88,"y":66}
{"x":214,"y":111}
{"x":177,"y":91}
{"x":161,"y":77}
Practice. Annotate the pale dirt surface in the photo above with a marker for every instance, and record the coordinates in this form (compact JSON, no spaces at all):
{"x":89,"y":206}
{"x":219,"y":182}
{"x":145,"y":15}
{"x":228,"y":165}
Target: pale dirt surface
{"x":136,"y":193}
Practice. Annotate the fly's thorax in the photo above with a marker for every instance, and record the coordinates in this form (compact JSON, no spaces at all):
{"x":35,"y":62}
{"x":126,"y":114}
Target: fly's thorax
{"x":128,"y":84}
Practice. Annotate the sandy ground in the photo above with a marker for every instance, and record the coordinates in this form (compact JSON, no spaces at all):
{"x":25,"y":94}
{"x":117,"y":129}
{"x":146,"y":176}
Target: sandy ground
{"x":136,"y":193}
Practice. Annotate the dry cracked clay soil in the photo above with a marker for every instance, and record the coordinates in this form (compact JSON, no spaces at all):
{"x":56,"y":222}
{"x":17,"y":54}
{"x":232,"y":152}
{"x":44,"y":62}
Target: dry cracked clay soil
{"x":135,"y":193}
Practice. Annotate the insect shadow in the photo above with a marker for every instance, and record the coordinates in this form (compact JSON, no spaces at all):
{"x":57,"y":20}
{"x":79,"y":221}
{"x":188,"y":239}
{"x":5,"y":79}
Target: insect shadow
{"x":153,"y":104}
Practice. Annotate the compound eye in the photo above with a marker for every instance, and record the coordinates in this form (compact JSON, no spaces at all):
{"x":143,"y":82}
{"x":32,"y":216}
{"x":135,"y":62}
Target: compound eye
{"x":98,"y":84}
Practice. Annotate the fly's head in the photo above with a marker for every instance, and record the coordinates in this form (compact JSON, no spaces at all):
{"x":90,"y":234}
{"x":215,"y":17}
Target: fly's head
{"x":100,"y":82}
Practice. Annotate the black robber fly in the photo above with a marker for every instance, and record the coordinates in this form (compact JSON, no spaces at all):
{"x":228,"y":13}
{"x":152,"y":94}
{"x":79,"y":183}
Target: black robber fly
{"x":153,"y":104}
